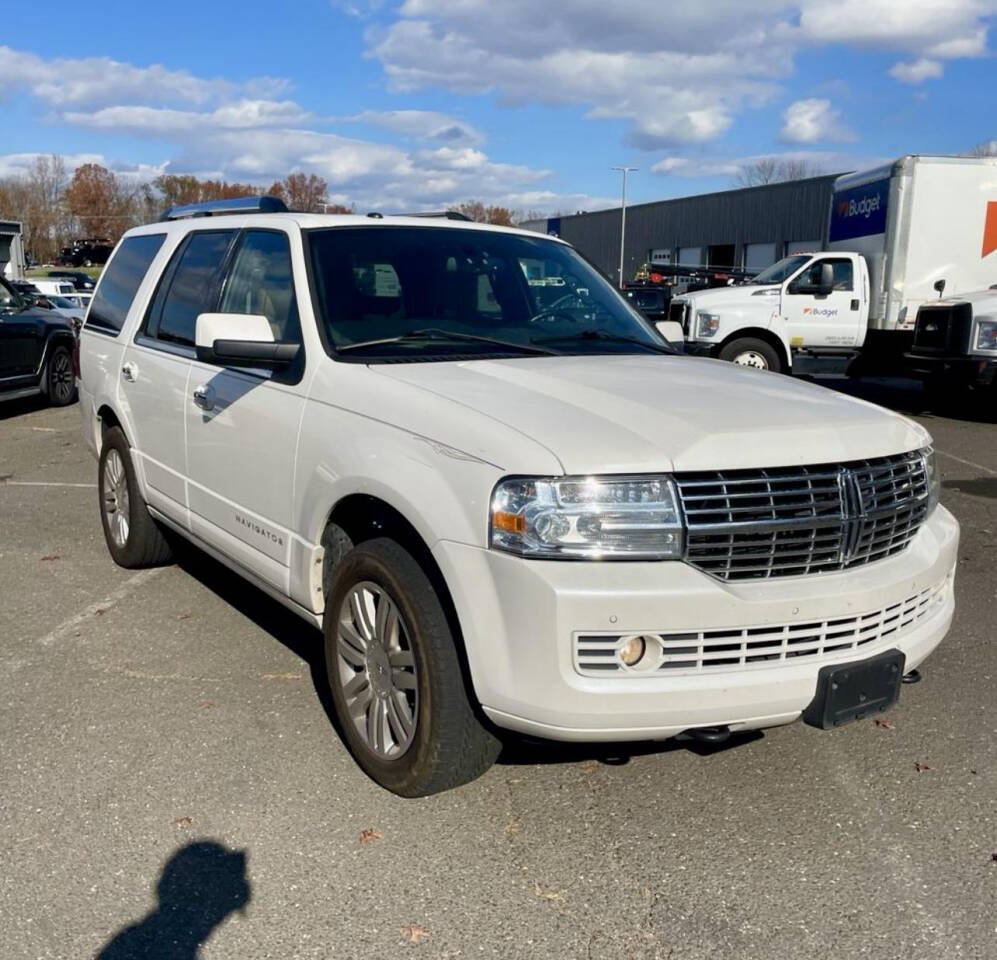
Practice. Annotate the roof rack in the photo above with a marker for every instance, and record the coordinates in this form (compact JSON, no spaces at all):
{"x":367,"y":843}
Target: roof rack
{"x":215,"y":208}
{"x":442,"y":214}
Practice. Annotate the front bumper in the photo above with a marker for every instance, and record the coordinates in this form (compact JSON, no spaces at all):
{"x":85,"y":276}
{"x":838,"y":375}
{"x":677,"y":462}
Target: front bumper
{"x":966,"y":371}
{"x":700,"y":348}
{"x":520,"y":618}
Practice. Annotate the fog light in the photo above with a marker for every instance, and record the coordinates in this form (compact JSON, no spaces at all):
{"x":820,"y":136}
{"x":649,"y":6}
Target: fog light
{"x":632,"y":650}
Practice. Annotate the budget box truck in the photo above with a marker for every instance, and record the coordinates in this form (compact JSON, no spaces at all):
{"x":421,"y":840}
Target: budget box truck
{"x":897,"y":236}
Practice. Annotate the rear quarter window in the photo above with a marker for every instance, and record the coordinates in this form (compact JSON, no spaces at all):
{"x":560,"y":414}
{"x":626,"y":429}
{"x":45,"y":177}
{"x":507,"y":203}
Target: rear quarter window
{"x":120,"y":282}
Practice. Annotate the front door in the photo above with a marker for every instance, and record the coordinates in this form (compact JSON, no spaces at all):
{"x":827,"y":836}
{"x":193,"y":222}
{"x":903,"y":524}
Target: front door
{"x":834,"y":320}
{"x":20,"y":338}
{"x":242,"y":435}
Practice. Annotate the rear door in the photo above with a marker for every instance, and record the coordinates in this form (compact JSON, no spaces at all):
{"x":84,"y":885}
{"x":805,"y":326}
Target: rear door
{"x":834,"y":320}
{"x":241,"y":448}
{"x":156,"y":365}
{"x":19,"y":339}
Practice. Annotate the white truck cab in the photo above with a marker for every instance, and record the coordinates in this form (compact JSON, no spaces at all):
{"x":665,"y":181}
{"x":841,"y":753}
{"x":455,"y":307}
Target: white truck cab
{"x":508,"y":505}
{"x":894,"y":234}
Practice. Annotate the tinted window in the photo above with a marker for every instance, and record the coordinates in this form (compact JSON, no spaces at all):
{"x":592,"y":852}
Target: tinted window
{"x":842,"y":270}
{"x":120,"y":281}
{"x":192,"y":287}
{"x":260,"y":283}
{"x":376,"y":283}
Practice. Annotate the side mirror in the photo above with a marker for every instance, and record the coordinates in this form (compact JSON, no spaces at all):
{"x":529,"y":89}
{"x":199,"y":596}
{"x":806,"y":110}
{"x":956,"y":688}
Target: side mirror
{"x":240,"y":340}
{"x":826,"y":284}
{"x":671,"y":330}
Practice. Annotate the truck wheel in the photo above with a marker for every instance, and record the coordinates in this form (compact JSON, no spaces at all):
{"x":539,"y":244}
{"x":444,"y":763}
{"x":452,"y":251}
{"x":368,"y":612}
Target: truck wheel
{"x":750,"y":352}
{"x":133,"y":538}
{"x":395,"y":676}
{"x":60,"y":385}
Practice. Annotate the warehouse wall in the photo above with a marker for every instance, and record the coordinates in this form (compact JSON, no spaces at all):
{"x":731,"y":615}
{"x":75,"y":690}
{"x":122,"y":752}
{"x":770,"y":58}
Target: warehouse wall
{"x":776,"y":213}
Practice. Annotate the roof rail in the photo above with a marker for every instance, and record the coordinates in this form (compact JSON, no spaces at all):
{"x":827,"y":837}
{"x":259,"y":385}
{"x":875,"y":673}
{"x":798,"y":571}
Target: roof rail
{"x":215,"y":208}
{"x":442,"y":214}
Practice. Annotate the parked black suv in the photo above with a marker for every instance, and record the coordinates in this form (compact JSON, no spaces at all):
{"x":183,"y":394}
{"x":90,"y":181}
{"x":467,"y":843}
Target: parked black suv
{"x":36,"y":350}
{"x":86,"y":252}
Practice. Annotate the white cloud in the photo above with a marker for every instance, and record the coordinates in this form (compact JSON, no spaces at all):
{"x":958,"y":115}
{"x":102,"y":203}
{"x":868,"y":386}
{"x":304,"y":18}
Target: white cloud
{"x":159,"y":121}
{"x":811,"y":120}
{"x":917,"y":71}
{"x":677,"y":77}
{"x":420,"y":124}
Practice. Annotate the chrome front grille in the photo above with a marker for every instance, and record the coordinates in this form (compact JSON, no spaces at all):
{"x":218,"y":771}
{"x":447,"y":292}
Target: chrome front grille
{"x":793,"y":521}
{"x":696,"y":651}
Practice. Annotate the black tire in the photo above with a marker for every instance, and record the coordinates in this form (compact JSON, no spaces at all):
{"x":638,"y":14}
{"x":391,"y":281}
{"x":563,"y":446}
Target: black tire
{"x":144,"y":544}
{"x":753,"y":347}
{"x":60,"y":382}
{"x":450,"y":746}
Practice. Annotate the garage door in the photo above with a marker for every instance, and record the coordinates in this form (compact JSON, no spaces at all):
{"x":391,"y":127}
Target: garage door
{"x":802,"y":246}
{"x":758,"y":256}
{"x":690,"y":256}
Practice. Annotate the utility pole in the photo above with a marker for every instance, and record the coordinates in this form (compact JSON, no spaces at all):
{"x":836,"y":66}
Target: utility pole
{"x":623,"y":215}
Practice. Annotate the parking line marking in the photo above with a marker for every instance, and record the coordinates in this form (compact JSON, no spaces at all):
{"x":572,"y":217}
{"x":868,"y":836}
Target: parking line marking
{"x":44,"y":483}
{"x":968,"y":463}
{"x":103,"y":605}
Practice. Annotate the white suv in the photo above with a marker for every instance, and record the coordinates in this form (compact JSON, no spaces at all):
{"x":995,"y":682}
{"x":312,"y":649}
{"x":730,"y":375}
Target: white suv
{"x":506,"y":502}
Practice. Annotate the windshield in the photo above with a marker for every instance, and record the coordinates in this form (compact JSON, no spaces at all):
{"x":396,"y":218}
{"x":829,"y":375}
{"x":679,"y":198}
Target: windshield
{"x":477,"y":293}
{"x":781,"y":270}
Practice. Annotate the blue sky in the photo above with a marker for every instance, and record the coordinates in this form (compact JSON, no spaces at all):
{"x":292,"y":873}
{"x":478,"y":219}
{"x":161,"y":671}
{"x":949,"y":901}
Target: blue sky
{"x":423,"y":103}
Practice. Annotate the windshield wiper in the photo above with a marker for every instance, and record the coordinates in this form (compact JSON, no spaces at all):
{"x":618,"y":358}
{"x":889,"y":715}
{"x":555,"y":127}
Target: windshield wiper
{"x":449,"y":336}
{"x":593,"y":334}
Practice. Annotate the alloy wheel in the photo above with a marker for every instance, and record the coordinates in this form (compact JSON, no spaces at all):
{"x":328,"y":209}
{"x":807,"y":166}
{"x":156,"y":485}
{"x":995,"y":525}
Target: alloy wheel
{"x":114,"y":497}
{"x":377,"y":670}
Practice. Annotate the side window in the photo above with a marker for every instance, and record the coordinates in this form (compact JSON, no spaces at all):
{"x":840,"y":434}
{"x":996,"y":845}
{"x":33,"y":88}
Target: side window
{"x":842,"y":274}
{"x":190,"y":288}
{"x":259,"y":282}
{"x":120,"y":282}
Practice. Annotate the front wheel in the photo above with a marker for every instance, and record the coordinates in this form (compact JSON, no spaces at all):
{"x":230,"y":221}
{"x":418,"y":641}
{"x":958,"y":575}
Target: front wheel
{"x":395,"y":676}
{"x":754,"y":353}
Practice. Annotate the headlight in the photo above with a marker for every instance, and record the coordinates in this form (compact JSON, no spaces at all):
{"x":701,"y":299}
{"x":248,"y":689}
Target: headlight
{"x":709,"y":323}
{"x":986,"y":335}
{"x":595,"y":518}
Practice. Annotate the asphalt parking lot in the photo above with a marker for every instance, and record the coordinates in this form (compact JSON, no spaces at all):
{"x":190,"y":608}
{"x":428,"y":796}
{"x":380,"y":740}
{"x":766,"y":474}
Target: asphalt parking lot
{"x":166,"y":760}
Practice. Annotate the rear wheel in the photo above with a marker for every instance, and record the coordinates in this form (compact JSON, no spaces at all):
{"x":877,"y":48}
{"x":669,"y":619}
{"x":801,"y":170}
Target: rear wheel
{"x":754,"y":353}
{"x":60,"y":383}
{"x":395,"y":676}
{"x":133,"y":537}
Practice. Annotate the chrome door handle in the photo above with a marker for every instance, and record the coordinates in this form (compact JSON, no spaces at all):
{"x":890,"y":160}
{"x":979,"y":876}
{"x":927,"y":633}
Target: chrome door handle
{"x":204,"y":397}
{"x":129,"y":371}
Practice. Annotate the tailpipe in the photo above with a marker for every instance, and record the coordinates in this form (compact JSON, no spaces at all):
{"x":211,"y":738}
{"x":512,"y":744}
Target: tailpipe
{"x":712,"y":735}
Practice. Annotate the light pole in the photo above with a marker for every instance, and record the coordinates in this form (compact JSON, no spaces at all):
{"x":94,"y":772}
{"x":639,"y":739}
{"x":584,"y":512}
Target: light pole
{"x":623,"y":215}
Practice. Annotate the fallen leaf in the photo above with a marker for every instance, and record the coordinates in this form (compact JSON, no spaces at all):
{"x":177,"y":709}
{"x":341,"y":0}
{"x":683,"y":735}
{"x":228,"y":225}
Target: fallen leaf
{"x":555,"y":895}
{"x":921,"y":767}
{"x":208,"y":704}
{"x":183,"y":822}
{"x":885,"y":724}
{"x":51,"y":556}
{"x":511,"y":828}
{"x":993,"y":857}
{"x":590,"y":766}
{"x":413,"y":933}
{"x":185,"y":616}
{"x":99,"y":612}
{"x":369,"y":835}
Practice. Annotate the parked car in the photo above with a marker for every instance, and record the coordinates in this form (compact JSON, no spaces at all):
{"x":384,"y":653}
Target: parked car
{"x":86,"y":252}
{"x":60,"y":288}
{"x":506,"y":502}
{"x":36,"y":349}
{"x":651,"y":301}
{"x":66,"y":307}
{"x":82,"y":282}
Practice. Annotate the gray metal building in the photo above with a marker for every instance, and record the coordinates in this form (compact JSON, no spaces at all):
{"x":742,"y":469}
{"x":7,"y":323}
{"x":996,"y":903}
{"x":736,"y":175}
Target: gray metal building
{"x":749,"y":227}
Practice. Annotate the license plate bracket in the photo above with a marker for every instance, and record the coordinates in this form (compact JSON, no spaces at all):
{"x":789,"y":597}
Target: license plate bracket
{"x":851,"y":691}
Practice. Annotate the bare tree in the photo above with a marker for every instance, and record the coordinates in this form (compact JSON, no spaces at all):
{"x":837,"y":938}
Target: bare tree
{"x":305,"y":193}
{"x":773,"y":170}
{"x":35,"y":199}
{"x":986,"y":148}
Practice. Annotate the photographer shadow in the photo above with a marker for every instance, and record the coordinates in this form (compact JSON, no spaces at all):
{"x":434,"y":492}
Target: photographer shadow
{"x":200,"y":885}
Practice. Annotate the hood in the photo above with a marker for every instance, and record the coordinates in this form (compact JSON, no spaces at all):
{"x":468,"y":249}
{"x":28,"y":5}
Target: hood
{"x":632,"y":414}
{"x":743,"y":296}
